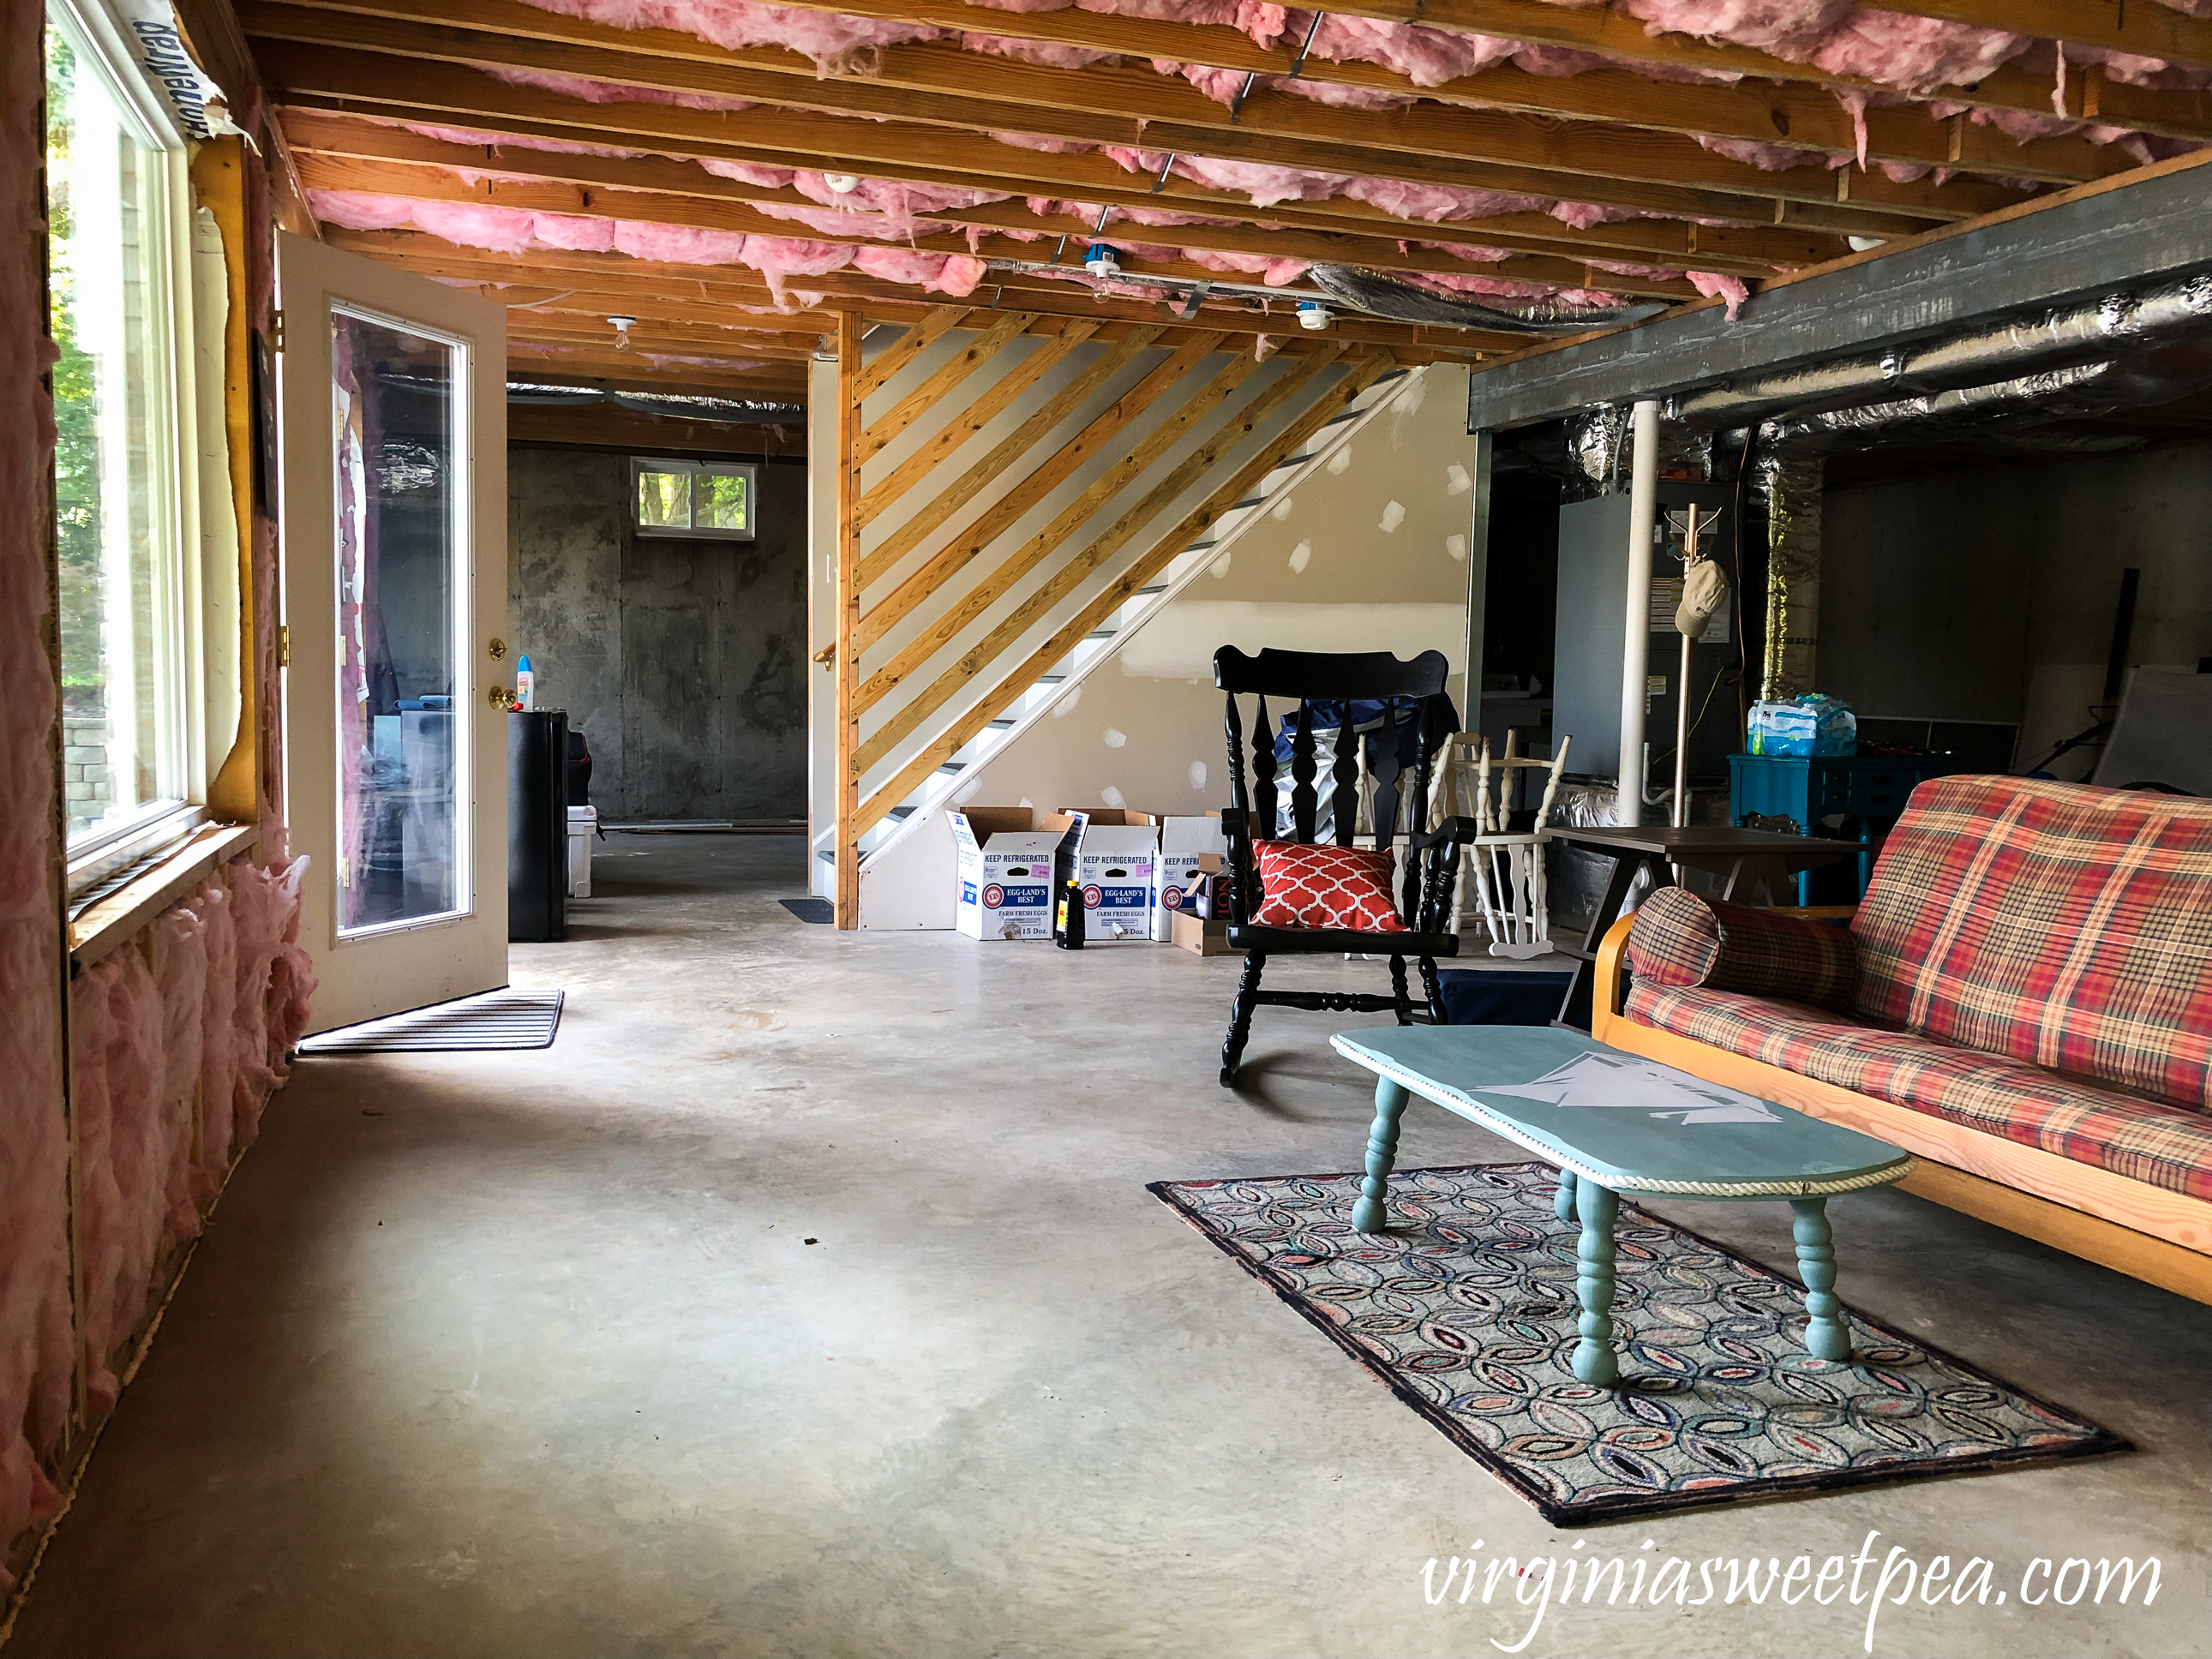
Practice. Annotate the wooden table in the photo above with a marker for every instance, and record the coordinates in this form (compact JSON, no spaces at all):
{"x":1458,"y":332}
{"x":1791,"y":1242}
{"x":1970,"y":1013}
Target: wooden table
{"x":1615,"y":1123}
{"x":1741,"y":856}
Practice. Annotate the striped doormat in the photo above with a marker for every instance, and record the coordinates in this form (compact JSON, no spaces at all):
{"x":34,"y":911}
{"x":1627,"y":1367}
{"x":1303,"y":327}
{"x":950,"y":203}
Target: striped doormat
{"x":497,"y":1019}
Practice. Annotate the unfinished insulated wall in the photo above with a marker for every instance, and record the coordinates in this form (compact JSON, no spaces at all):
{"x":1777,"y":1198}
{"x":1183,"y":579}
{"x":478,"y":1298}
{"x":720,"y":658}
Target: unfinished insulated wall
{"x":34,"y":1305}
{"x":178,"y":1031}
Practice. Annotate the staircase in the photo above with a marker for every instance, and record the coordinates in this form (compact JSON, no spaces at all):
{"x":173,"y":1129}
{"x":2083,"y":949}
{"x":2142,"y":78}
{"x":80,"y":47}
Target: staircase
{"x":943,"y":786}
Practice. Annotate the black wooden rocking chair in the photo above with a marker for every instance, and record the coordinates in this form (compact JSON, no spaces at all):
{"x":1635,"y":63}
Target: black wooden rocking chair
{"x":1415,"y":719}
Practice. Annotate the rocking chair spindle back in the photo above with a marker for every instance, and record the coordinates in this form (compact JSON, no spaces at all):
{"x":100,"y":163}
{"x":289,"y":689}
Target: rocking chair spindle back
{"x":1398,"y":742}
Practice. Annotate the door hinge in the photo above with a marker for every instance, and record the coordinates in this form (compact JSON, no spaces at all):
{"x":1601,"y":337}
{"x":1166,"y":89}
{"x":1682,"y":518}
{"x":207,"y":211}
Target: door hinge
{"x":284,"y":645}
{"x":276,"y":332}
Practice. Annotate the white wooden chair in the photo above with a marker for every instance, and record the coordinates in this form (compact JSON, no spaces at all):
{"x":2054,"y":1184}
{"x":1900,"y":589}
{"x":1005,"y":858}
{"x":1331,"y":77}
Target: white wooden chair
{"x":1505,"y":869}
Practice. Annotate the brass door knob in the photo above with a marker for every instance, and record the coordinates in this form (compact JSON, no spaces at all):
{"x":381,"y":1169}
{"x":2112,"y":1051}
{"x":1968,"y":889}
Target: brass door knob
{"x":498,"y":649}
{"x":500,"y":697}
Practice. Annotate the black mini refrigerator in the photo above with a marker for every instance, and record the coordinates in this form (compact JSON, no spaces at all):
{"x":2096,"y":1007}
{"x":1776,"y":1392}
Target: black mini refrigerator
{"x":538,"y":825}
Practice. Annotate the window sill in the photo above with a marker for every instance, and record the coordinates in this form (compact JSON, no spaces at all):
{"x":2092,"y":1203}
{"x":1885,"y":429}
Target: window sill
{"x":107,"y":926}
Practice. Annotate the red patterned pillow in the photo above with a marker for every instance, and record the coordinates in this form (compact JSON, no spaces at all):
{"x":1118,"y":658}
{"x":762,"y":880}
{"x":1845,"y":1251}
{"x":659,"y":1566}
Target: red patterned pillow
{"x":1326,"y":886}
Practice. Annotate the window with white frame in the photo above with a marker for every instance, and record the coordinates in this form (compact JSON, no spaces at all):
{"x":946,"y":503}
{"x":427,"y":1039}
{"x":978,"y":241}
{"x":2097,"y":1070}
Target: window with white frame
{"x":700,"y":499}
{"x":119,"y":250}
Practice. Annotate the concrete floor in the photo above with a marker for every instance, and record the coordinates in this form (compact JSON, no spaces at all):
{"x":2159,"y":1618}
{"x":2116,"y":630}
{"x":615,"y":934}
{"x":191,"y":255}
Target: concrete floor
{"x":805,"y":1298}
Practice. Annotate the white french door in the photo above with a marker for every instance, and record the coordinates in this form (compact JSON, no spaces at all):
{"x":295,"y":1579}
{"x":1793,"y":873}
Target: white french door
{"x":391,"y":397}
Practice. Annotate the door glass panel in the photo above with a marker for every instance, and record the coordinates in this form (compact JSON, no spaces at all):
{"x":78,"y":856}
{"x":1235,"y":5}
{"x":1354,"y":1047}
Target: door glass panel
{"x":401,"y":550}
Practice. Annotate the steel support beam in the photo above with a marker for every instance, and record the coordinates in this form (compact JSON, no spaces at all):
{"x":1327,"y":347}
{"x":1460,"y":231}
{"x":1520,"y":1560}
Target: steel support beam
{"x":2097,"y":239}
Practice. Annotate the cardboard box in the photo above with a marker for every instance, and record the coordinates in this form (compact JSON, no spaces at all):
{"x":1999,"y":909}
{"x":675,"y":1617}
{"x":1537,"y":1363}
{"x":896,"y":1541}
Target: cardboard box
{"x":1186,"y":842}
{"x":1204,"y":939}
{"x":1113,"y":855}
{"x":1004,"y":884}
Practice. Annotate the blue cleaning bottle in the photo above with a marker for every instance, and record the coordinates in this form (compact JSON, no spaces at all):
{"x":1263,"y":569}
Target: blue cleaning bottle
{"x":524,"y":686}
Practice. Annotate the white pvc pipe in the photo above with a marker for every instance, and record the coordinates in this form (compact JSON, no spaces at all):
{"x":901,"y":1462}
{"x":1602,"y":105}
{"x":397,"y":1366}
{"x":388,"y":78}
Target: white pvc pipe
{"x":1636,"y":637}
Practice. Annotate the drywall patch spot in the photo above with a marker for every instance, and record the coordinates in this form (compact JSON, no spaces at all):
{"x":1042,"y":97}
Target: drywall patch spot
{"x":1456,"y":546}
{"x":1221,"y":566}
{"x":1066,"y":704}
{"x":966,"y":792}
{"x":1198,"y":775}
{"x":1415,"y":394}
{"x":1113,"y":797}
{"x":1026,"y":802}
{"x":1457,"y":482}
{"x":1341,"y":462}
{"x":1393,"y":516}
{"x":1301,"y":557}
{"x":1115,"y":739}
{"x":1282,"y":509}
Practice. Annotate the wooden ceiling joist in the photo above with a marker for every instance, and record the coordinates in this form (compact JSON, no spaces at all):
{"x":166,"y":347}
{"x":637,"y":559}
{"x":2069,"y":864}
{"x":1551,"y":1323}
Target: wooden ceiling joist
{"x":1773,"y":90}
{"x":336,"y":139}
{"x":1467,"y":149}
{"x":1743,"y":250}
{"x":931,"y":82}
{"x":434,"y":257}
{"x":717,"y":213}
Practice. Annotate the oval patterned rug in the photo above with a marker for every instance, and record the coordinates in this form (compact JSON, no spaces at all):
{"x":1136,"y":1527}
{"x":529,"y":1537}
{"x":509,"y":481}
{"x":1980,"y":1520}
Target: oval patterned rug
{"x":1467,"y":1310}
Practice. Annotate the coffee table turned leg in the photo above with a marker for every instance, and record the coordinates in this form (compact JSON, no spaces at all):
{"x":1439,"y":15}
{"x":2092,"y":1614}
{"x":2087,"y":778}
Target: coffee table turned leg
{"x":1367,"y":1215}
{"x":1826,"y":1338}
{"x":1563,"y":1201}
{"x":1594,"y":1362}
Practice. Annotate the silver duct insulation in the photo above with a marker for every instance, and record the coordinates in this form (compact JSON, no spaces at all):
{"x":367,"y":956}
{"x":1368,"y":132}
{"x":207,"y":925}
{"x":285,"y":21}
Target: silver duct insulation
{"x":2009,"y":411}
{"x":2094,"y":329}
{"x":1787,"y":482}
{"x":1381,"y":295}
{"x":1598,"y":451}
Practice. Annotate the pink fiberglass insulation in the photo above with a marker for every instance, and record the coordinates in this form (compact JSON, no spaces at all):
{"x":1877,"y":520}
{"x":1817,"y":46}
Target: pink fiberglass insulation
{"x":274,"y":980}
{"x":190,"y":1047}
{"x":611,"y":92}
{"x":837,"y":44}
{"x":514,"y":230}
{"x":1730,"y":290}
{"x":955,"y":274}
{"x":510,"y":140}
{"x":124,"y":1139}
{"x":34,"y":1314}
{"x":218,"y":1040}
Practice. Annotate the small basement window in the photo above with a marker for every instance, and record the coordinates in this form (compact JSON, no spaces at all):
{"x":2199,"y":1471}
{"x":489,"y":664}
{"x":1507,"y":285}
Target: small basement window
{"x":699,"y":498}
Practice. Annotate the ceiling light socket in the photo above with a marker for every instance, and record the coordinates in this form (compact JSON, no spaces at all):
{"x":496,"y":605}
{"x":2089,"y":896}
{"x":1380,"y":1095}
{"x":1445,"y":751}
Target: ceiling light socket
{"x":1312,"y":315}
{"x":1099,"y":261}
{"x":844,"y":183}
{"x":625,"y":324}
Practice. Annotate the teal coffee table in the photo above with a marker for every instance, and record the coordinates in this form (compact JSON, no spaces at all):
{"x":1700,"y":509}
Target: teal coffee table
{"x":1614,"y":1123}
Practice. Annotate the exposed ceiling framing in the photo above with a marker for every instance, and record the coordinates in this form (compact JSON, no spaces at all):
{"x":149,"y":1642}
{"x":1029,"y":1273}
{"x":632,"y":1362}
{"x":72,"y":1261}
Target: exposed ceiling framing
{"x":1513,"y":153}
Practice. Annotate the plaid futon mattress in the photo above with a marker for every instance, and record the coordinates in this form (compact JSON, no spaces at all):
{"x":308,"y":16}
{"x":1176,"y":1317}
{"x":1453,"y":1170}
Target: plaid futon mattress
{"x":2163,"y":1145}
{"x":2049,"y":922}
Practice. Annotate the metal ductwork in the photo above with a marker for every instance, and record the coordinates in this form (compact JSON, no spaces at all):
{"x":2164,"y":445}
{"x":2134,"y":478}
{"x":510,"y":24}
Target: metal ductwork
{"x":2010,"y":411}
{"x":1380,"y":295}
{"x":2094,"y":330}
{"x":674,"y":405}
